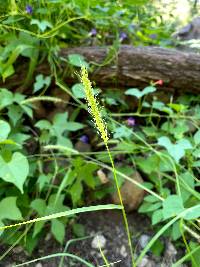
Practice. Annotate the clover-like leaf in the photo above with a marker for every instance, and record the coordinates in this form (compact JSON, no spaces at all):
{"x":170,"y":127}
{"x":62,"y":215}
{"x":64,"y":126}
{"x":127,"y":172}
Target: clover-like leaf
{"x":40,"y":82}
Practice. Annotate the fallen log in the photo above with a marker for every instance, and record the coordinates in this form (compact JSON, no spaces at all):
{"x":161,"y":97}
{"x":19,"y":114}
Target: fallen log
{"x":132,"y":67}
{"x":137,"y":66}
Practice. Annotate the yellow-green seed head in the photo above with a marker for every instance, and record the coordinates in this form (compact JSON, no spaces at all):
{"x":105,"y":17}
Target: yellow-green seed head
{"x":93,"y":105}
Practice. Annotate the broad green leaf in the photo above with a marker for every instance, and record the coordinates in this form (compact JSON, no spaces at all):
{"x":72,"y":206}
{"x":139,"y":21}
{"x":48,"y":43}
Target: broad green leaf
{"x":6,"y":98}
{"x":42,"y":25}
{"x":15,"y":113}
{"x":38,"y":228}
{"x":138,"y":93}
{"x":178,"y":129}
{"x":148,"y":164}
{"x":77,"y":60}
{"x":157,"y":248}
{"x":28,"y":110}
{"x":122,"y":131}
{"x":42,"y":180}
{"x":39,"y":205}
{"x":58,"y":230}
{"x":43,"y":125}
{"x":1,"y":225}
{"x":87,"y":174}
{"x":78,"y":90}
{"x":157,"y":216}
{"x":4,"y":130}
{"x":76,"y":192}
{"x":73,"y":126}
{"x":176,"y":231}
{"x":149,"y":89}
{"x":177,"y":151}
{"x":56,"y":205}
{"x":15,"y":171}
{"x":9,"y":209}
{"x":134,"y":92}
{"x":193,"y":213}
{"x":197,"y":138}
{"x":172,"y":206}
{"x":151,"y":199}
{"x":188,"y":179}
{"x":7,"y":72}
{"x":59,"y":123}
{"x":65,"y":142}
{"x":148,"y":207}
{"x":177,"y":107}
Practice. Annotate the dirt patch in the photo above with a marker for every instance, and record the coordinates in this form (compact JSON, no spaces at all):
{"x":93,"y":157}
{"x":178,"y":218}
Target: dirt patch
{"x":109,"y":226}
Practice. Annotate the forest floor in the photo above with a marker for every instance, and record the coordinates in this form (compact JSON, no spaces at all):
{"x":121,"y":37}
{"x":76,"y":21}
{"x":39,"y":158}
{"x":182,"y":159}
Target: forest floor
{"x":109,"y":227}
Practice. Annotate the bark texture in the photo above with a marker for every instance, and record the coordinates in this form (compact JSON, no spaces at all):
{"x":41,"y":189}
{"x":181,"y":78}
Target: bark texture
{"x":137,"y":66}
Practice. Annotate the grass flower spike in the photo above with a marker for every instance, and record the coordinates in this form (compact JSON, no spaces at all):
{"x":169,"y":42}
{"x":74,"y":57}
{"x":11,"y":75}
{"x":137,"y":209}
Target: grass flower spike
{"x":93,"y":106}
{"x":95,"y":112}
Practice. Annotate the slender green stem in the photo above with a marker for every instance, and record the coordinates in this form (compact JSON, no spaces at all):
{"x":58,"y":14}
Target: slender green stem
{"x":121,"y":203}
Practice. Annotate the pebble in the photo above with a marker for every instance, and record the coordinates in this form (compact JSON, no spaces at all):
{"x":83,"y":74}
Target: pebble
{"x":146,"y":262}
{"x":98,"y":241}
{"x":170,"y":251}
{"x":123,"y":251}
{"x":143,"y":240}
{"x":17,"y":249}
{"x":132,"y":195}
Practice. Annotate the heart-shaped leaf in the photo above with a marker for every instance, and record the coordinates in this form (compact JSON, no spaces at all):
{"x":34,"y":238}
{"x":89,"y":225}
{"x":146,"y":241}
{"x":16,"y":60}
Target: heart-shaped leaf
{"x":15,"y":171}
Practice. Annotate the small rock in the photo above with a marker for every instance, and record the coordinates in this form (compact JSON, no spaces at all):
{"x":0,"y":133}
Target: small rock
{"x":146,"y":262}
{"x":132,"y":195}
{"x":102,"y":176}
{"x":143,"y":240}
{"x":38,"y":265}
{"x":123,"y":251}
{"x":170,"y":251}
{"x":17,"y":249}
{"x":82,"y":147}
{"x":169,"y":255}
{"x":98,"y":241}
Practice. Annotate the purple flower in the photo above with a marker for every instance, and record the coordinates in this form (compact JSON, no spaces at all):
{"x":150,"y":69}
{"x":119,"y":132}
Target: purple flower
{"x":153,"y":36}
{"x":84,"y":138}
{"x":130,"y":121}
{"x":29,"y":9}
{"x":93,"y":32}
{"x":122,"y":36}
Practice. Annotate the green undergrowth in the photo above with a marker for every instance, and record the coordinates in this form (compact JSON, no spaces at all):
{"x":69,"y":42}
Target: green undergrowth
{"x":50,"y":151}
